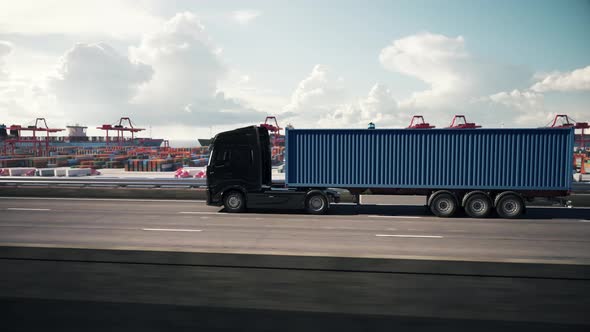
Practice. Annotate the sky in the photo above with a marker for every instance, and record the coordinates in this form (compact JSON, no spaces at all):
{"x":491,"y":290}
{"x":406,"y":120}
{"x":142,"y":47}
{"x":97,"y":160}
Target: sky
{"x":188,"y":69}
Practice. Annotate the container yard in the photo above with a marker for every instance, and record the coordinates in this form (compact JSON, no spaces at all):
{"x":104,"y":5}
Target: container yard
{"x":34,"y":147}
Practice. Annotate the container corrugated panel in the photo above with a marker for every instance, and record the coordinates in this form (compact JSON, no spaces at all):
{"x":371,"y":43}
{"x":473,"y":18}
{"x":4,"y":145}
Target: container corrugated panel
{"x":525,"y":159}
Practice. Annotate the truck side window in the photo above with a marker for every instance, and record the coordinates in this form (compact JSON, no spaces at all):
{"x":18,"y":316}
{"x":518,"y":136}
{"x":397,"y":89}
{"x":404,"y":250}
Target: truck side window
{"x":222,"y":155}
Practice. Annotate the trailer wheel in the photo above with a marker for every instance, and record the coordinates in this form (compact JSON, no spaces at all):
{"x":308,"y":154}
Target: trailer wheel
{"x":443,"y":205}
{"x":510,"y":206}
{"x":234,"y":202}
{"x":316,"y":204}
{"x":478,"y":206}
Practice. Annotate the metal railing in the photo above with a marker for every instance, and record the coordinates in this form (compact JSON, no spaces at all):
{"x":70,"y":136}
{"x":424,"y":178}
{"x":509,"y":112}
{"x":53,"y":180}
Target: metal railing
{"x":104,"y":182}
{"x":146,"y":182}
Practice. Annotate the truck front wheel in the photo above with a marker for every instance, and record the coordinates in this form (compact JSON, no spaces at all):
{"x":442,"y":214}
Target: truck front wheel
{"x":234,"y":201}
{"x":316,"y":204}
{"x":443,"y":205}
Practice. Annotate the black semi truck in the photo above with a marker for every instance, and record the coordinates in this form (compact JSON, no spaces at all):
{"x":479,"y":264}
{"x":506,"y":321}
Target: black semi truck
{"x":480,"y":170}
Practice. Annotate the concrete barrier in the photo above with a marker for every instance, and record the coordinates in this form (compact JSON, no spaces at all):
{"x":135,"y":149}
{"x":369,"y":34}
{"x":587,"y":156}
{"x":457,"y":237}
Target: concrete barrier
{"x":106,"y":192}
{"x":578,"y":199}
{"x":526,"y":293}
{"x":20,"y":171}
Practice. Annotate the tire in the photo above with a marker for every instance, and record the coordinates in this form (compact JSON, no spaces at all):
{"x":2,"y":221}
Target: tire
{"x":316,"y":204}
{"x":234,"y":202}
{"x":510,"y":207}
{"x":478,"y":206}
{"x":444,"y":205}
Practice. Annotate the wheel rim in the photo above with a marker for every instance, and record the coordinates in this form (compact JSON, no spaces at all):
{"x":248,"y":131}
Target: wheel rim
{"x":510,"y":207}
{"x":316,"y":203}
{"x":234,"y":201}
{"x":444,"y":205}
{"x":478,"y":206}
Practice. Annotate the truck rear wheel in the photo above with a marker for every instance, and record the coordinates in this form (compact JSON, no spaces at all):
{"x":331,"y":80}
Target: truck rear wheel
{"x":316,"y":204}
{"x":478,"y":206}
{"x":443,"y":205}
{"x":234,"y":202}
{"x":510,"y":206}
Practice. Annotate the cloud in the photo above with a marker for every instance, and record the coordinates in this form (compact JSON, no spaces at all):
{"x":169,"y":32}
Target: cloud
{"x":171,"y":77}
{"x":514,"y":108}
{"x":379,"y":107}
{"x":320,"y":99}
{"x":113,"y":18}
{"x":454,"y":76}
{"x":5,"y":49}
{"x":185,"y":61}
{"x":528,"y":105}
{"x":97,"y":74}
{"x":434,"y":59}
{"x":520,"y":100}
{"x":576,"y":80}
{"x":316,"y":94}
{"x":245,"y":16}
{"x":16,"y":92}
{"x":187,"y":70}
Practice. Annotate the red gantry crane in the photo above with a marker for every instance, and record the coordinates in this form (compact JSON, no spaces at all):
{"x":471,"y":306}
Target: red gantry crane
{"x":39,"y":144}
{"x":460,"y":122}
{"x":563,"y":121}
{"x":274,"y":130}
{"x":120,"y":129}
{"x":418,"y":122}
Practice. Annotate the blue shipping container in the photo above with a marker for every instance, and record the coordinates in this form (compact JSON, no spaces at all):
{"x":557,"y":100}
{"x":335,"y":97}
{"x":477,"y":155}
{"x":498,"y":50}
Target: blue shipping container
{"x":500,"y":159}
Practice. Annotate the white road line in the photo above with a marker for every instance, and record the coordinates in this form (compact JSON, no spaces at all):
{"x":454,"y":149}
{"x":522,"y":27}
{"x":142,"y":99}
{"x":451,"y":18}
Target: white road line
{"x":27,"y":209}
{"x":399,"y":217}
{"x":584,"y":220}
{"x":412,"y":236}
{"x":200,"y":212}
{"x":171,"y":230}
{"x":103,"y":199}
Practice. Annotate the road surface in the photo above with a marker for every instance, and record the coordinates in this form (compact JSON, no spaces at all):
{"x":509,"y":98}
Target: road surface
{"x":549,"y":235}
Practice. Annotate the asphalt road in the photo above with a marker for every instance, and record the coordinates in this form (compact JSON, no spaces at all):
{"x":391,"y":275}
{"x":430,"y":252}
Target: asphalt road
{"x":548,"y":235}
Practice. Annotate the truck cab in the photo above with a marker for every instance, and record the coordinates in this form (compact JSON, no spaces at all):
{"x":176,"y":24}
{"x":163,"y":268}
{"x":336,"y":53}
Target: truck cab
{"x":239,"y":176}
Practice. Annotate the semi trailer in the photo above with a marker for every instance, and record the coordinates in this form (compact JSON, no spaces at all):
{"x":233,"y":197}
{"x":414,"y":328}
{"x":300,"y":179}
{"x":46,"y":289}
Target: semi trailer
{"x":478,"y":170}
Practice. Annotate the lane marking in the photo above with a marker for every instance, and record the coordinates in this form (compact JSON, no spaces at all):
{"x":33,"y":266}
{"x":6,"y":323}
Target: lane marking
{"x":400,"y":217}
{"x":584,"y":220}
{"x":411,"y":236}
{"x":171,"y":230}
{"x":27,"y":209}
{"x":103,"y":199}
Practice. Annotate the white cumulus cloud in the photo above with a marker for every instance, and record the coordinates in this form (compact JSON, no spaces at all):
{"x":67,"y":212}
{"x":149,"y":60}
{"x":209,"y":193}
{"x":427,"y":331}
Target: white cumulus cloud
{"x":170,"y":78}
{"x":245,"y":16}
{"x":316,"y":94}
{"x":576,"y":80}
{"x":113,"y":18}
{"x":521,"y":100}
{"x":97,"y":74}
{"x":187,"y":70}
{"x":455,"y":77}
{"x":5,"y":49}
{"x":320,"y":99}
{"x":379,"y":107}
{"x":184,"y":59}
